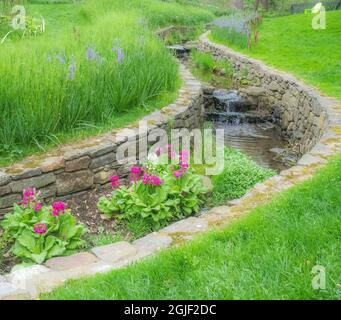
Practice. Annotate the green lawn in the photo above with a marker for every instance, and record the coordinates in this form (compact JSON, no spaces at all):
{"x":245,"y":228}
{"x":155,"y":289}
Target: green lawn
{"x":290,"y":44}
{"x":268,"y":254}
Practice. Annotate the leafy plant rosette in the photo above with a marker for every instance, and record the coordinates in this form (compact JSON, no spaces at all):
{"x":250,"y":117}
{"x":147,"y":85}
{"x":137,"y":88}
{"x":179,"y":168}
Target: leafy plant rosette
{"x":164,"y":189}
{"x":41,"y":232}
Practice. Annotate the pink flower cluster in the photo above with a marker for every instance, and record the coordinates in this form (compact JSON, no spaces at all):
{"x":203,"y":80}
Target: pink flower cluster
{"x":58,"y":208}
{"x":183,"y":158}
{"x":30,"y":198}
{"x":40,"y":228}
{"x":135,"y":174}
{"x":150,"y":179}
{"x":115,"y":181}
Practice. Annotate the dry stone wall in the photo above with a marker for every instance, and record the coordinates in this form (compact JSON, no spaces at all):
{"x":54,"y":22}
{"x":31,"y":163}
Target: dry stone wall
{"x":87,"y":164}
{"x":302,"y":114}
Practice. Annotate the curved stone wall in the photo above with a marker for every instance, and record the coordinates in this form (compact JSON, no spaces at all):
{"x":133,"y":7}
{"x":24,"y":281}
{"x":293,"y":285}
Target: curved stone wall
{"x":301,"y":112}
{"x":87,"y":164}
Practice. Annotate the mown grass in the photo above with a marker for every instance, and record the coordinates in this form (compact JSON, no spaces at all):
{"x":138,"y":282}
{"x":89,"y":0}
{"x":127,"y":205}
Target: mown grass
{"x":268,"y":254}
{"x":50,"y":91}
{"x":291,"y":44}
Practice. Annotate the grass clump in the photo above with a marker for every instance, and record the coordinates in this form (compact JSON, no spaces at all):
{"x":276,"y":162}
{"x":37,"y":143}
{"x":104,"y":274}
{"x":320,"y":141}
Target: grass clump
{"x":269,"y":254}
{"x":207,"y":68}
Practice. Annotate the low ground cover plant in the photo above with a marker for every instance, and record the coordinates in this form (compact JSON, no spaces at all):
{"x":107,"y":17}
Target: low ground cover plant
{"x":159,"y":192}
{"x":40,"y":232}
{"x":240,"y":174}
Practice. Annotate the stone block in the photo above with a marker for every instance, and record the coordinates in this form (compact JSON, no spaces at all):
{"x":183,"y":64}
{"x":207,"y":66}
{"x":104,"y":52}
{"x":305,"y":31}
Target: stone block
{"x":78,"y":164}
{"x":36,"y":182}
{"x":73,"y":182}
{"x":152,"y":243}
{"x":189,"y":225}
{"x":115,"y":252}
{"x":70,"y":262}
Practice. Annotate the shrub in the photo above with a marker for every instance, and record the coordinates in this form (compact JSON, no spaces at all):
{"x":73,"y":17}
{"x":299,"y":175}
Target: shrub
{"x":41,"y":232}
{"x":159,"y":192}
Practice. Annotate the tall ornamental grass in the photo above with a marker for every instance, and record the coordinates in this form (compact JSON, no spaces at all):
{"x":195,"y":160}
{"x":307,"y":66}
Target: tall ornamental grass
{"x":80,"y":79}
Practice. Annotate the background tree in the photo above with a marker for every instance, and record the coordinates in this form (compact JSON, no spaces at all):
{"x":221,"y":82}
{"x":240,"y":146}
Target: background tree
{"x":265,"y":4}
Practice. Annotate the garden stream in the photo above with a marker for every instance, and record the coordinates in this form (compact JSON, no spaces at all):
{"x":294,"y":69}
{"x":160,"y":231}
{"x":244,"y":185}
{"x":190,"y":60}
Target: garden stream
{"x":246,"y":130}
{"x":246,"y":127}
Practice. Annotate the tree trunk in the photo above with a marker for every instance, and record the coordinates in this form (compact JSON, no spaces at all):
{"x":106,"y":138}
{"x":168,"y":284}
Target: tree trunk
{"x":257,"y":2}
{"x":265,"y":4}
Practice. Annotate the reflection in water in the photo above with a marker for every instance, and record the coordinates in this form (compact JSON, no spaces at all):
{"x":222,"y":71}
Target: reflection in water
{"x":254,"y":141}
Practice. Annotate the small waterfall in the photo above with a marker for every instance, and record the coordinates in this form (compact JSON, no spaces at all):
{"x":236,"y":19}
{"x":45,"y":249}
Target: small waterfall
{"x":228,"y":100}
{"x":245,"y":127}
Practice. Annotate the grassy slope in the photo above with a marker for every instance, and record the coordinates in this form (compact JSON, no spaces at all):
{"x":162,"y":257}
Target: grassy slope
{"x":290,"y":43}
{"x":114,"y":95}
{"x":268,"y":254}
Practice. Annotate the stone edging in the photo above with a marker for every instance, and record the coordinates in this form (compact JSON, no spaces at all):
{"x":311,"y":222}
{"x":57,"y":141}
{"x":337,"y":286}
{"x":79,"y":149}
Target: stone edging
{"x":29,"y":282}
{"x":87,"y":164}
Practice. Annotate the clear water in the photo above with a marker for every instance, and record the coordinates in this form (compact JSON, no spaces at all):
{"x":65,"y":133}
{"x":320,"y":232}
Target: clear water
{"x":254,"y":141}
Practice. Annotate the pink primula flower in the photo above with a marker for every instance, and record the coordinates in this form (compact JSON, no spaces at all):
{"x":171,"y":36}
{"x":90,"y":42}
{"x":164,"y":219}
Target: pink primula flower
{"x":115,"y":181}
{"x":40,"y":228}
{"x":178,"y":174}
{"x":184,"y":154}
{"x":29,"y":195}
{"x":38,"y":207}
{"x":58,"y":208}
{"x":151,"y":180}
{"x":155,"y":180}
{"x":135,"y":170}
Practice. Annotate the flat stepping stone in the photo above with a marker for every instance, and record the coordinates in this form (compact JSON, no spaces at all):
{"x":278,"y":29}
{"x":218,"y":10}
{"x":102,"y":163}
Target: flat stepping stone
{"x":308,"y":160}
{"x":47,"y":281}
{"x":7,"y":290}
{"x":23,"y":279}
{"x":115,"y":252}
{"x":189,"y":225}
{"x":217,"y":215}
{"x":152,"y":243}
{"x":65,"y":263}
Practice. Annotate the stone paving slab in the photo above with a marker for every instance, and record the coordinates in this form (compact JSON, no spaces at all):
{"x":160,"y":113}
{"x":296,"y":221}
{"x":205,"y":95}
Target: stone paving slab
{"x":7,"y":290}
{"x":152,"y":243}
{"x":115,"y":252}
{"x":65,"y":263}
{"x":189,"y":225}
